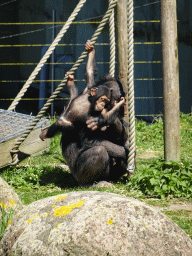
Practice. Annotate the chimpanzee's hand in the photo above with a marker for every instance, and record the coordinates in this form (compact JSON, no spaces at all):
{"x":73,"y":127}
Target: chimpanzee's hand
{"x":70,"y":76}
{"x":88,"y":46}
{"x":43,"y":135}
{"x":122,"y":101}
{"x":92,"y":123}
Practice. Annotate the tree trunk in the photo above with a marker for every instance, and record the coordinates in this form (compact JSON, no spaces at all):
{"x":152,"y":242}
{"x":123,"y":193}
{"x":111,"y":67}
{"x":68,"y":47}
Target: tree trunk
{"x":170,"y":80}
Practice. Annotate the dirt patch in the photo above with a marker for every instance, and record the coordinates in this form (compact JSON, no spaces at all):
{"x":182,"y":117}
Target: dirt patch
{"x":177,"y":207}
{"x":148,"y":154}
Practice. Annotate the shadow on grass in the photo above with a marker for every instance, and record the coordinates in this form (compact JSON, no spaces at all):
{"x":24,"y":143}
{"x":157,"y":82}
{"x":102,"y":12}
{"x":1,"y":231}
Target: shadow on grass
{"x":57,"y":176}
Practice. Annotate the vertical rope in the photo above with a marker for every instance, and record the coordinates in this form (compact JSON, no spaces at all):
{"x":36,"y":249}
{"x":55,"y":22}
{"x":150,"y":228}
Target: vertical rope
{"x":47,"y":55}
{"x":112,"y":42}
{"x":130,"y":82}
{"x":104,"y":20}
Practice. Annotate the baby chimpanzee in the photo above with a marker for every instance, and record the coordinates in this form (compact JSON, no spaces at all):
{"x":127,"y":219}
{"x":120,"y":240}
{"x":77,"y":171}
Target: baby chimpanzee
{"x":94,"y":99}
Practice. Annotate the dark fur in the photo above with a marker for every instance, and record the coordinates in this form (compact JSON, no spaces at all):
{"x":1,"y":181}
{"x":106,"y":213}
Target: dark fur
{"x":93,"y":157}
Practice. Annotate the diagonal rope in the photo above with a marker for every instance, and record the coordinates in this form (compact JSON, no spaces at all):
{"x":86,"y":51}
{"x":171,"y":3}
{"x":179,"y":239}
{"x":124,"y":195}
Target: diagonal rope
{"x":104,"y":20}
{"x":131,"y":106}
{"x":47,"y":55}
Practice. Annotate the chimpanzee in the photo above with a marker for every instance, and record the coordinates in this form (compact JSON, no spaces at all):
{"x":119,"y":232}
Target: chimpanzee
{"x":90,"y":162}
{"x":80,"y":107}
{"x":89,"y":154}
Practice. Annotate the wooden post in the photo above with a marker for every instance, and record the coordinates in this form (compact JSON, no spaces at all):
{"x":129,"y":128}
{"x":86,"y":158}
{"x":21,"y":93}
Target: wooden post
{"x":170,"y":80}
{"x":122,"y":40}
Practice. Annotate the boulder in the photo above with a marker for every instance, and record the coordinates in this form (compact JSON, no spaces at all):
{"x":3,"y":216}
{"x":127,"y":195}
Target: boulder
{"x":93,"y":223}
{"x":8,"y":198}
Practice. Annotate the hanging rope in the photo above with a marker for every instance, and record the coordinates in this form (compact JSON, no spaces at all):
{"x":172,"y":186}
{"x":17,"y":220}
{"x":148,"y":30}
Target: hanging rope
{"x":47,"y":55}
{"x":104,"y":20}
{"x":112,"y":42}
{"x":130,"y":78}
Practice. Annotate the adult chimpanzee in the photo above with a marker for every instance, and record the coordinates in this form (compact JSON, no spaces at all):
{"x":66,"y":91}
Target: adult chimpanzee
{"x":90,"y":161}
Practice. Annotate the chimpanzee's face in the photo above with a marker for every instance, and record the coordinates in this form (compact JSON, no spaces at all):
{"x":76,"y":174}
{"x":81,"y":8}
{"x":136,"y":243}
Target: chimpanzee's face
{"x":101,"y":103}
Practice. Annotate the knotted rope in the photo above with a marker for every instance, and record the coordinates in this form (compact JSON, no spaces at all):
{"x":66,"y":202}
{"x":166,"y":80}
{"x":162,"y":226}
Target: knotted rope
{"x":104,"y":20}
{"x":130,"y":78}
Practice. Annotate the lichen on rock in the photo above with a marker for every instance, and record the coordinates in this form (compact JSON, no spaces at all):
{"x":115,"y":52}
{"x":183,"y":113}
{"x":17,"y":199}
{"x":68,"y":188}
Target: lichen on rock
{"x":93,"y":223}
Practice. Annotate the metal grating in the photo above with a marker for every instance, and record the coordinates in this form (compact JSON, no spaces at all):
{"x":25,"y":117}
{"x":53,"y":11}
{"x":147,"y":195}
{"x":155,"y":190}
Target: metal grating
{"x":13,"y":124}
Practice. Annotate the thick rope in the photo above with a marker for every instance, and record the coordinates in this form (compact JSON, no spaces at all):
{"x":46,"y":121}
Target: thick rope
{"x":130,"y":78}
{"x":112,"y":42}
{"x":47,"y":55}
{"x":61,"y":85}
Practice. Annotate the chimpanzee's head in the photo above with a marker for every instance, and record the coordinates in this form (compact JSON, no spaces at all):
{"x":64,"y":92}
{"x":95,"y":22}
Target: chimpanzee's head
{"x":99,"y":97}
{"x":118,"y":90}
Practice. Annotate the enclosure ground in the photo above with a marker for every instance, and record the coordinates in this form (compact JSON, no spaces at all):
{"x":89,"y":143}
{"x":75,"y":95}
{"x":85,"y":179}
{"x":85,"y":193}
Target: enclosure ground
{"x":46,"y":174}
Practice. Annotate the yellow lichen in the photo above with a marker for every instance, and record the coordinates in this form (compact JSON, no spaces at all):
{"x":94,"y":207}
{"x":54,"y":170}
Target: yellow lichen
{"x":9,"y":204}
{"x":60,"y":198}
{"x":46,"y":215}
{"x":53,"y":205}
{"x":11,"y":201}
{"x":2,"y":205}
{"x":36,"y":216}
{"x":57,"y":225}
{"x":9,"y":223}
{"x":110,"y":221}
{"x":65,"y":209}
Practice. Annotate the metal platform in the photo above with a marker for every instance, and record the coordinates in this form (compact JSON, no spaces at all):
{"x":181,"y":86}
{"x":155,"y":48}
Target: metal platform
{"x":12,"y":126}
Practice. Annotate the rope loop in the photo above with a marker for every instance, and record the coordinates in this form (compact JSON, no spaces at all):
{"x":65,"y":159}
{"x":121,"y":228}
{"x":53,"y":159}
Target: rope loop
{"x":14,"y":154}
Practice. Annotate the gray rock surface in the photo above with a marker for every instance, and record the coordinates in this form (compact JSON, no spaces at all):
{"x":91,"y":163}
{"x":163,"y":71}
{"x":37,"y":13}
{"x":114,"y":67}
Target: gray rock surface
{"x":8,"y":198}
{"x":90,"y":223}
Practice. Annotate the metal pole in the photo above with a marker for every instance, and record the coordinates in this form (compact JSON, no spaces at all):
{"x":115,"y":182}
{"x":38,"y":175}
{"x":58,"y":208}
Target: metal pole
{"x":52,"y":61}
{"x":170,"y":80}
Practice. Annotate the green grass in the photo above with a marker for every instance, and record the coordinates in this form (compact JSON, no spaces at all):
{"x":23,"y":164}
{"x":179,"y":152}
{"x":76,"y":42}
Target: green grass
{"x":154,"y":182}
{"x":183,"y":218}
{"x":6,"y":217}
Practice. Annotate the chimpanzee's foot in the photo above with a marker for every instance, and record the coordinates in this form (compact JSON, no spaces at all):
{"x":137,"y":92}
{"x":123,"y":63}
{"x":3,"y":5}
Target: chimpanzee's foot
{"x":129,"y":171}
{"x":43,"y":135}
{"x":102,"y":184}
{"x":64,"y":123}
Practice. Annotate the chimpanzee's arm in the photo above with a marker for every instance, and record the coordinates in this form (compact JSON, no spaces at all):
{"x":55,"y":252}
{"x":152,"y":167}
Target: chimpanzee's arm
{"x":106,"y":118}
{"x":110,"y":116}
{"x":73,"y":91}
{"x":61,"y":123}
{"x":90,"y":66}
